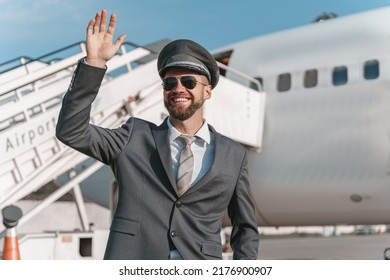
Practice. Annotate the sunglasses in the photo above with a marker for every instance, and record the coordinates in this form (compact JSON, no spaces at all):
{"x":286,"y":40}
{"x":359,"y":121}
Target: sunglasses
{"x":188,"y":82}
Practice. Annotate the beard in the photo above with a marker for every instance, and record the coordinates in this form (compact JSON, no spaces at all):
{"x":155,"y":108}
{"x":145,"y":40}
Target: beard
{"x":180,"y":113}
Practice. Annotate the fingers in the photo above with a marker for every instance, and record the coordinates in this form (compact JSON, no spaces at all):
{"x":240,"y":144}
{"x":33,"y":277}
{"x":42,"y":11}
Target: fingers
{"x":103,"y":20}
{"x":97,"y":22}
{"x":90,"y":27}
{"x":111,"y":26}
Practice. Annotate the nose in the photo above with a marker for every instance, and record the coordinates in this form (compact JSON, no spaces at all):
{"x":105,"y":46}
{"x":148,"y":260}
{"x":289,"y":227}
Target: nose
{"x":179,"y":86}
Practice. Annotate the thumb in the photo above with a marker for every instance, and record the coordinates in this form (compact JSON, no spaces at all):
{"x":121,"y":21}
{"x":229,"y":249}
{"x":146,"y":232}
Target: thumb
{"x":120,"y":40}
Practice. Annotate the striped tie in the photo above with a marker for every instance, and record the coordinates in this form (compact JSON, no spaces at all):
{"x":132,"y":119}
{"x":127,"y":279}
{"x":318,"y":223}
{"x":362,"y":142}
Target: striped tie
{"x":186,"y":165}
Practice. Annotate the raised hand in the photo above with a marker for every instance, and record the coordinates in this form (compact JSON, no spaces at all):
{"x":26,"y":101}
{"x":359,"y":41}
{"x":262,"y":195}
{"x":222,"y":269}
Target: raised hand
{"x":100,"y":46}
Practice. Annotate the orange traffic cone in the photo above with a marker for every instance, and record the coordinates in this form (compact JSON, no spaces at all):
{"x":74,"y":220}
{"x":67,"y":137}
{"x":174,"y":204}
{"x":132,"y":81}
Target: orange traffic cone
{"x":11,"y":216}
{"x":11,"y":245}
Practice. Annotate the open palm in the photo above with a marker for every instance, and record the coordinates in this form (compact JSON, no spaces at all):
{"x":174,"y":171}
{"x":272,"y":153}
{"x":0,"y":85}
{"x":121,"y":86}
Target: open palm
{"x":100,"y":46}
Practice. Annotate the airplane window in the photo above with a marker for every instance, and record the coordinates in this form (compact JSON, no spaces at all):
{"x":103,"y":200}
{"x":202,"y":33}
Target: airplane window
{"x":371,"y":70}
{"x":340,"y":75}
{"x":284,"y":82}
{"x":311,"y":78}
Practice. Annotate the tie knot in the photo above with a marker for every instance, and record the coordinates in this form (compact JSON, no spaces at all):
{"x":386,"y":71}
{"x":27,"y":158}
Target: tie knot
{"x":187,"y":139}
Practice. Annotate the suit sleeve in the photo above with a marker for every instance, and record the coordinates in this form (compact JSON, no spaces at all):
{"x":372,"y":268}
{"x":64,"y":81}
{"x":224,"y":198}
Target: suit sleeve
{"x":245,"y":236}
{"x":73,"y":127}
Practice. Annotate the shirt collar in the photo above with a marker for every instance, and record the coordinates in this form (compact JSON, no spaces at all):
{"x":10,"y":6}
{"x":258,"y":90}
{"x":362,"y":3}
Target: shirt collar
{"x":203,"y":133}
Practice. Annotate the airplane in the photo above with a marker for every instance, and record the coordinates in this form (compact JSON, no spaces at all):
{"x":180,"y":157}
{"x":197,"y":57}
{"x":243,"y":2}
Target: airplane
{"x":309,"y":103}
{"x":325,"y":157}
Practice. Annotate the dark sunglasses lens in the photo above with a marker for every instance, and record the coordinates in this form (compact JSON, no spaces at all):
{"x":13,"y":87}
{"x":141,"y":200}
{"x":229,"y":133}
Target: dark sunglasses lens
{"x":188,"y":81}
{"x":169,"y":83}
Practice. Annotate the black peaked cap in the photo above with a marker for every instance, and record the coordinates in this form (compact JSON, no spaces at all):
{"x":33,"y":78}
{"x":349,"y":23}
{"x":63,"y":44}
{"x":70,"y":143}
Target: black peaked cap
{"x":190,"y":55}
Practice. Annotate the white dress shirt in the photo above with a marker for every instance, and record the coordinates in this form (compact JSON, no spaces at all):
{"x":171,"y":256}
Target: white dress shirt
{"x":202,"y":149}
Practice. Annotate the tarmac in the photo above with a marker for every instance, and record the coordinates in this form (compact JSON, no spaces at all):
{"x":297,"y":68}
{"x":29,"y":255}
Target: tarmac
{"x":345,"y":247}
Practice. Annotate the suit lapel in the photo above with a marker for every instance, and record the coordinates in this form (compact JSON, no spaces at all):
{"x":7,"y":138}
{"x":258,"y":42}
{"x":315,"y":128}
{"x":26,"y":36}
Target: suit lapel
{"x":161,"y":138}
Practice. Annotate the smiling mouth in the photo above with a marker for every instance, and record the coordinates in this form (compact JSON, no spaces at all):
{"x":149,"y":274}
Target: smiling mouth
{"x":180,"y":100}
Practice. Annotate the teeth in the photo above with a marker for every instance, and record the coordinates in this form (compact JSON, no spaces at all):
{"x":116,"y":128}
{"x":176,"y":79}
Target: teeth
{"x":180,"y":99}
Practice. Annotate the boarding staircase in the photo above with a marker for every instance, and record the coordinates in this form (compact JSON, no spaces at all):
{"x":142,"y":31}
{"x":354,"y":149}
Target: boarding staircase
{"x":30,"y":99}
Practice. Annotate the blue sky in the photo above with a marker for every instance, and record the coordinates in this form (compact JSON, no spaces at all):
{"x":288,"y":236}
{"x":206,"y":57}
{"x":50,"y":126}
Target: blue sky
{"x":36,"y":27}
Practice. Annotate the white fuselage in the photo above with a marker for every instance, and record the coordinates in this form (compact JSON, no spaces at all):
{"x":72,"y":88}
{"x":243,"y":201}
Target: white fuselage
{"x":325,"y":158}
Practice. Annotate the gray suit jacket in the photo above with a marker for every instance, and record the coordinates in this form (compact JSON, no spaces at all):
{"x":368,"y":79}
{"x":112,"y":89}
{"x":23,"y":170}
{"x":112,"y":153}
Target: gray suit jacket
{"x":150,"y":217}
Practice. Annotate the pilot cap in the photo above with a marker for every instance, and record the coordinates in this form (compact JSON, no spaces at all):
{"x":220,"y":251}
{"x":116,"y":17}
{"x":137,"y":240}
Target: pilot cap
{"x":190,"y":55}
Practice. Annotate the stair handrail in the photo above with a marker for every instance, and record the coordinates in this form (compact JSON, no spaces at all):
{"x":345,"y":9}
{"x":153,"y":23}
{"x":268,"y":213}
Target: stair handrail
{"x":9,"y":87}
{"x":19,"y":59}
{"x":242,"y":75}
{"x":113,"y":110}
{"x":40,"y":58}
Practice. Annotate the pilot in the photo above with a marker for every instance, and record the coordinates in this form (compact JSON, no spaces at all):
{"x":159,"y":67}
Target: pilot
{"x":176,"y":180}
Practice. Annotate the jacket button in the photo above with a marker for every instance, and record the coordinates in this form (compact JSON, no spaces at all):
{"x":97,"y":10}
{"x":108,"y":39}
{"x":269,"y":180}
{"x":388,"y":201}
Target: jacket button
{"x":179,"y":204}
{"x":173,"y":233}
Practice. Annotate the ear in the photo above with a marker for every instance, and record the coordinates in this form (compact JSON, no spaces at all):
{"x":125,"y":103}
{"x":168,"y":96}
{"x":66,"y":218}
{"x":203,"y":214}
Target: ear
{"x":207,"y":92}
